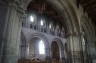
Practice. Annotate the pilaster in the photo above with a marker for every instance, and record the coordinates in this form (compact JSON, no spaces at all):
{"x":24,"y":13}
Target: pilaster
{"x":11,"y":34}
{"x":75,"y":48}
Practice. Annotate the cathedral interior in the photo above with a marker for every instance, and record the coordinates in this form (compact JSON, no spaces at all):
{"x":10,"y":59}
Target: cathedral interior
{"x":47,"y":31}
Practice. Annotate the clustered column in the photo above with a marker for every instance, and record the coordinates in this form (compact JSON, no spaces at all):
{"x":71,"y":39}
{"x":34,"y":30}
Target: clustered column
{"x":75,"y":48}
{"x":12,"y":33}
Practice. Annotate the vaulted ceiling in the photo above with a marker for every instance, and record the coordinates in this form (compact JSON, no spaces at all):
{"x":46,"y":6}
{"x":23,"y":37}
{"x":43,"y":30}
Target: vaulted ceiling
{"x":90,"y":7}
{"x":43,"y":8}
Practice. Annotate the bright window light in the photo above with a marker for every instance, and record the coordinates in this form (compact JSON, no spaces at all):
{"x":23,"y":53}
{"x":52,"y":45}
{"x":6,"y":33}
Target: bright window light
{"x":41,"y":23}
{"x":83,"y":41}
{"x":28,"y":50}
{"x":32,"y":18}
{"x":41,"y":47}
{"x":50,"y":26}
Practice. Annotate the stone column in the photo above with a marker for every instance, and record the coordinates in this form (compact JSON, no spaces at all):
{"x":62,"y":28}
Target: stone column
{"x":12,"y":33}
{"x":48,"y":58}
{"x":75,"y":48}
{"x":3,"y":13}
{"x":91,"y":50}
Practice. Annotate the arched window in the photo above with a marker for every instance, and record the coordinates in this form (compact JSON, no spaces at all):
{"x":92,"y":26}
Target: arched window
{"x":36,"y":47}
{"x":41,"y":47}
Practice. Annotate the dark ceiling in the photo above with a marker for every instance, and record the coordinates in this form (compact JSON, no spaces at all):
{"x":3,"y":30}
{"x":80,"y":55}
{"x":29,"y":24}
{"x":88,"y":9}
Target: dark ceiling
{"x":43,"y":8}
{"x":90,"y":7}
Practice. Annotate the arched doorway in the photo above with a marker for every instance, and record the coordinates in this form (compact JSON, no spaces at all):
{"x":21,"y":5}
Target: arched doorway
{"x":55,"y":52}
{"x":35,"y":52}
{"x":37,"y":49}
{"x":58,"y":51}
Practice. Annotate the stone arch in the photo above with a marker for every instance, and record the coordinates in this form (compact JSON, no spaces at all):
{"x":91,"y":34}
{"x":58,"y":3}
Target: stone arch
{"x":70,"y":24}
{"x":61,"y":48}
{"x":86,"y":23}
{"x":88,"y":34}
{"x":63,"y":5}
{"x":73,"y":14}
{"x":46,"y":42}
{"x":88,"y":27}
{"x":63,"y":10}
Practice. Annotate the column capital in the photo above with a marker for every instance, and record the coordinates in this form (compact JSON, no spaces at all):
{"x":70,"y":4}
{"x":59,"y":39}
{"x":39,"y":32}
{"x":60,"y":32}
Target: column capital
{"x":15,"y":4}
